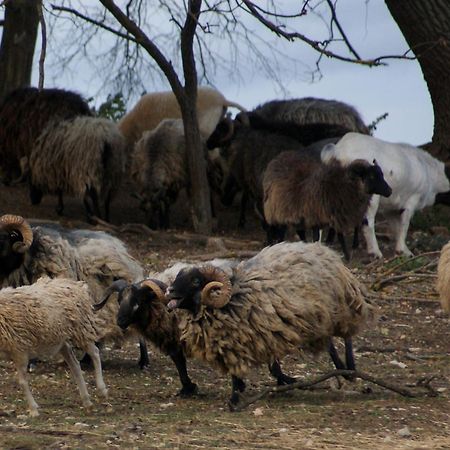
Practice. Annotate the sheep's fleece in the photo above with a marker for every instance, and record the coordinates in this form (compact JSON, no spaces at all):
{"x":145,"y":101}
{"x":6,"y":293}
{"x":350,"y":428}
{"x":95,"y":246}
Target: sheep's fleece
{"x":289,"y":296}
{"x":35,"y":323}
{"x":443,"y":277}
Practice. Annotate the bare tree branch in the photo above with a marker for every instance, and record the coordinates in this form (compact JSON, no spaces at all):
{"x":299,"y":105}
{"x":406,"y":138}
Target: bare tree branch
{"x":341,"y":30}
{"x":316,"y":45}
{"x":94,"y":22}
{"x":43,"y":45}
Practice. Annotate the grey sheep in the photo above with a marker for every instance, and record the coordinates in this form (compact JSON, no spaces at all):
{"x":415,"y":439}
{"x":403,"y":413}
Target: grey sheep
{"x":289,"y":296}
{"x":82,"y":157}
{"x":306,"y":193}
{"x":159,"y":170}
{"x":28,"y":253}
{"x":44,"y":319}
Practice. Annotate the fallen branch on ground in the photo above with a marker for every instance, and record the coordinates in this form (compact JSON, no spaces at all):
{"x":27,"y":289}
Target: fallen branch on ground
{"x":244,"y":403}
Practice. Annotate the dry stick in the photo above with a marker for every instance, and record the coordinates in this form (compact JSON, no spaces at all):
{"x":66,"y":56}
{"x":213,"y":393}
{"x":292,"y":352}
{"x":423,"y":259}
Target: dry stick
{"x":307,"y":384}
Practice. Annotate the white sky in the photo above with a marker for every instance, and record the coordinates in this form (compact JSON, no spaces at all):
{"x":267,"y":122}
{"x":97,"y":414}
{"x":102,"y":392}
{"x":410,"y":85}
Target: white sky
{"x":398,"y":89}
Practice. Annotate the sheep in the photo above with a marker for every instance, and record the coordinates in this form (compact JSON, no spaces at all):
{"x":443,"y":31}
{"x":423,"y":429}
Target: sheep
{"x":46,"y":318}
{"x":300,"y":111}
{"x":24,"y":113}
{"x":28,"y":253}
{"x":417,"y":180}
{"x":83,"y":157}
{"x":248,"y":151}
{"x":306,"y":193}
{"x":159,"y":170}
{"x":288,"y":296}
{"x":443,"y":277}
{"x":152,"y":108}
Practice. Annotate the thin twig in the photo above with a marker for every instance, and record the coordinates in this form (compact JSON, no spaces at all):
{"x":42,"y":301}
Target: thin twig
{"x":43,"y":45}
{"x":335,"y":373}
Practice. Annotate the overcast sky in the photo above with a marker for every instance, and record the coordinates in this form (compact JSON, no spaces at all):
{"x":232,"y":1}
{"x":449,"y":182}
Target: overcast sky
{"x":398,"y":89}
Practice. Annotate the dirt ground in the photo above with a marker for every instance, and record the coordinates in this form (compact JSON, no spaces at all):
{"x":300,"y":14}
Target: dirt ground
{"x":409,"y":343}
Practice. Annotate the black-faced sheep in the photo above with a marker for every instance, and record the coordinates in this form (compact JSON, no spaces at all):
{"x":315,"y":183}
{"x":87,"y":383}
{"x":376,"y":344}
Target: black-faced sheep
{"x":308,"y":194}
{"x":143,"y":306}
{"x":417,"y":180}
{"x":443,"y":277}
{"x":159,"y":170}
{"x":24,"y":113}
{"x":152,"y":108}
{"x":43,"y":319}
{"x":28,"y":253}
{"x":289,"y":296}
{"x":82,"y":157}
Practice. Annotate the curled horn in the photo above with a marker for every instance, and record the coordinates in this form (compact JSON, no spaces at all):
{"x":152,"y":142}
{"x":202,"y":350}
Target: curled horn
{"x":217,"y":292}
{"x":117,"y":286}
{"x":154,"y":286}
{"x":11,"y":222}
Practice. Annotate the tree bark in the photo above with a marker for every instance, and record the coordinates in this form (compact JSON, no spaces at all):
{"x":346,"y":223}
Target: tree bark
{"x":186,"y":96}
{"x":426,"y":28}
{"x":18,"y":43}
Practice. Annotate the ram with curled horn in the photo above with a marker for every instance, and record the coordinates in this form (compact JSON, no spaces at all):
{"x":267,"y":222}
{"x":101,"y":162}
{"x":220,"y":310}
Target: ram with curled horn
{"x":143,"y":306}
{"x":19,"y":231}
{"x":289,"y":296}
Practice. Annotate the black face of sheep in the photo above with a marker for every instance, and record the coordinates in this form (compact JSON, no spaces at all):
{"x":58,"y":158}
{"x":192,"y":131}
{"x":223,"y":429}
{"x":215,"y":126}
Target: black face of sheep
{"x":193,"y":287}
{"x":443,"y":198}
{"x":185,"y":292}
{"x":222,"y":135}
{"x":135,"y":301}
{"x":16,"y":237}
{"x":373,"y":177}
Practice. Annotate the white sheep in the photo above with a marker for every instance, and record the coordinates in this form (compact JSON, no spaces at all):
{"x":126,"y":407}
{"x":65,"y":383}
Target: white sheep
{"x":46,"y":318}
{"x":417,"y":180}
{"x":152,"y":108}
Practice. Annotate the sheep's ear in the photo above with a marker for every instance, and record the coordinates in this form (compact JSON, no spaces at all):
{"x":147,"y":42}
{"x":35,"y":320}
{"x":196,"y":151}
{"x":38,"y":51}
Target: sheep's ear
{"x":327,"y":152}
{"x":375,"y":162}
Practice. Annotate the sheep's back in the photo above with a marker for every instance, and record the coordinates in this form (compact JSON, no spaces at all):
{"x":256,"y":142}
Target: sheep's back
{"x":79,"y":153}
{"x":34,"y":318}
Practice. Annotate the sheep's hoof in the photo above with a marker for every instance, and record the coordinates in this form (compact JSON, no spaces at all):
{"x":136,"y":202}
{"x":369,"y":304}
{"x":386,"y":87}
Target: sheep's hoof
{"x":34,"y":413}
{"x":283,"y":380}
{"x":188,"y":391}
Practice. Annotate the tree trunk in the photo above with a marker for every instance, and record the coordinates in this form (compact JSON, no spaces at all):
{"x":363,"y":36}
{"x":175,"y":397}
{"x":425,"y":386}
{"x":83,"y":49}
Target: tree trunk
{"x":18,"y":43}
{"x":425,"y":25}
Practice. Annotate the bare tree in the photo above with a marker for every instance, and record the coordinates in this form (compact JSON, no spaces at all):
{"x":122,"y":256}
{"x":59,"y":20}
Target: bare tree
{"x":17,"y":46}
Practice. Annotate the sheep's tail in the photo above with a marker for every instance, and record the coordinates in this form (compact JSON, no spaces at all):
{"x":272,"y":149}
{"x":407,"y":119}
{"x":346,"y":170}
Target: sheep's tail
{"x":230,"y":104}
{"x":443,"y":278}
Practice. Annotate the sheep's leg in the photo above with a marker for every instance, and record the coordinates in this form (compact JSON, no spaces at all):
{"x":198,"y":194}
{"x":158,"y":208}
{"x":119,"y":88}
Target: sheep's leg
{"x":274,"y":233}
{"x":237,"y":385}
{"x":21,"y":363}
{"x":189,"y":388}
{"x":87,"y":206}
{"x":96,"y":204}
{"x":60,"y":206}
{"x":77,"y":375}
{"x":341,"y":239}
{"x":330,"y":236}
{"x":337,"y":361}
{"x":243,"y":209}
{"x":401,"y":231}
{"x":276,"y":372}
{"x":143,"y":354}
{"x":369,"y":228}
{"x":107,"y":202}
{"x":355,"y":243}
{"x":94,"y":353}
{"x":349,"y":357}
{"x":301,"y":232}
{"x":316,"y":234}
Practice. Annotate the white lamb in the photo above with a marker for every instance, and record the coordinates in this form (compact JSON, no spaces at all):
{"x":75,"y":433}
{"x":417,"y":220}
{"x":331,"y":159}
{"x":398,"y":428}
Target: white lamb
{"x":417,"y":180}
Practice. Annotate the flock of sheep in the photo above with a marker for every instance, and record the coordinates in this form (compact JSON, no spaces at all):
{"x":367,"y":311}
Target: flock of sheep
{"x":309,"y":164}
